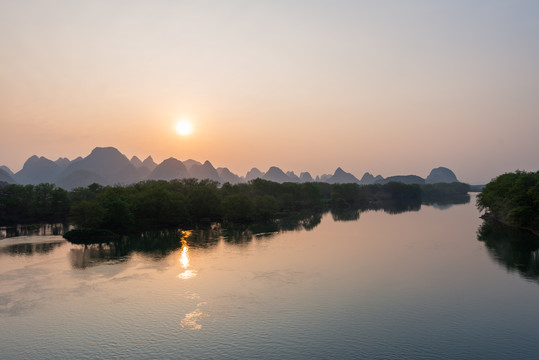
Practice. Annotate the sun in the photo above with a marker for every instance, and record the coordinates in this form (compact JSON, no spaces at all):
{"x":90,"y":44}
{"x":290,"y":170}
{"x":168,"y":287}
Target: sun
{"x":184,"y":127}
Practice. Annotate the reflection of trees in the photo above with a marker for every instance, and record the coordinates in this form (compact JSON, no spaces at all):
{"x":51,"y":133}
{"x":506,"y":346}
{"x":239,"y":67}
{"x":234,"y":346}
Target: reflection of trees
{"x":517,"y":250}
{"x":154,"y":244}
{"x":388,"y":206}
{"x":159,"y":244}
{"x":95,"y":254}
{"x":245,"y":233}
{"x":345,"y":214}
{"x":400,"y":207}
{"x":446,"y":203}
{"x":31,"y":230}
{"x":30,"y":249}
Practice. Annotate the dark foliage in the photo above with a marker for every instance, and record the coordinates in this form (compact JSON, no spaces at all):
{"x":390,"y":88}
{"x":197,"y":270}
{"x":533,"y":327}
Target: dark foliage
{"x":188,"y":202}
{"x":512,"y":198}
{"x":90,"y":236}
{"x":32,"y":204}
{"x":515,"y":249}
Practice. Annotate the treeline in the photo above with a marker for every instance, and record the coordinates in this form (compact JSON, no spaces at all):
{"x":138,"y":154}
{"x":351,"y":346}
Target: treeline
{"x":162,"y":204}
{"x":512,"y":198}
{"x":28,"y":204}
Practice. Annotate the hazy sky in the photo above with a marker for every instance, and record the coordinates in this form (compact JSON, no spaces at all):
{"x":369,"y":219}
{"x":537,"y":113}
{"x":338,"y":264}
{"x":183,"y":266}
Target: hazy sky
{"x":389,"y":87}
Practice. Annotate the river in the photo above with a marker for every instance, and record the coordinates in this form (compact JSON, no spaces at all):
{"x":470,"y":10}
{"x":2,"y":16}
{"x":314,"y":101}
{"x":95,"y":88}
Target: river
{"x":427,"y":284}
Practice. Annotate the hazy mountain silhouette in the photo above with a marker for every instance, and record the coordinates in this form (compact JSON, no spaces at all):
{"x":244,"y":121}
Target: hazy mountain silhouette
{"x":293,"y":177}
{"x":305,"y":177}
{"x":80,"y":178}
{"x":441,"y":175}
{"x":368,"y":179}
{"x":149,"y":164}
{"x":254,"y":173}
{"x":142,"y":171}
{"x":203,"y":171}
{"x":6,"y":169}
{"x":37,"y":170}
{"x":6,"y":177}
{"x":108,"y":166}
{"x":190,"y":162}
{"x":226,"y":176}
{"x":136,"y":162}
{"x":323,"y":177}
{"x":405,"y":179}
{"x":169,"y":169}
{"x":277,"y":175}
{"x":342,"y":177}
{"x":62,"y":162}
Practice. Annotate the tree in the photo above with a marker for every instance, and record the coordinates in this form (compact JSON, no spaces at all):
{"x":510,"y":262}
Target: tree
{"x":238,"y":208}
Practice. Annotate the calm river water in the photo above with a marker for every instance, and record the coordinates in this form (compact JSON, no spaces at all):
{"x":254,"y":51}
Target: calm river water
{"x":415,"y":285}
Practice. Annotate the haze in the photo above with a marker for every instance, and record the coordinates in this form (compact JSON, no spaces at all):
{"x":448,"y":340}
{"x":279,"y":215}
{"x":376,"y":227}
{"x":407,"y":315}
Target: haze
{"x":389,"y":87}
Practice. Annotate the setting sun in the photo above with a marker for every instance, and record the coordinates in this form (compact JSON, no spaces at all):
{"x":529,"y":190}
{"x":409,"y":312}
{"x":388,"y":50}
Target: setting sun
{"x":184,"y":127}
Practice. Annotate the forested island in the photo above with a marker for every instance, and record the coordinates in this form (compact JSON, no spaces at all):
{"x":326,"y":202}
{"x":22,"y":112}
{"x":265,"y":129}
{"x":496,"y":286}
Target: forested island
{"x":512,"y":199}
{"x":163,"y":204}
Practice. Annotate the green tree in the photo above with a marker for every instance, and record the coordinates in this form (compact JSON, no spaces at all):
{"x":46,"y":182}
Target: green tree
{"x":238,"y":208}
{"x":88,"y":214}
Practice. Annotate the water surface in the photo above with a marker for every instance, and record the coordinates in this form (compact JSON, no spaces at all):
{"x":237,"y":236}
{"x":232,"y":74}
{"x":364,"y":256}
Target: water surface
{"x":413,"y":285}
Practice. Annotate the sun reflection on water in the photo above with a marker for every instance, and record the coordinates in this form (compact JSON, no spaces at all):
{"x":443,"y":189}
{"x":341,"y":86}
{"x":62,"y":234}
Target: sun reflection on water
{"x":184,"y":257}
{"x":191,"y":320}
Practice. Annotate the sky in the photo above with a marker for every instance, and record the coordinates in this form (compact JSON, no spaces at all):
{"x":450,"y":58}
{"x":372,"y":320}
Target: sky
{"x":388,"y":87}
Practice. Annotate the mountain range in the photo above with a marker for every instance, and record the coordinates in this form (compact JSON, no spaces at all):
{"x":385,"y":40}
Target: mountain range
{"x":108,"y":166}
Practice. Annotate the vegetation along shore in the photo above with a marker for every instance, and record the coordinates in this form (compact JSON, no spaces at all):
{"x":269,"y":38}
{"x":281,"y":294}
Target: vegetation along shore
{"x":189,"y":202}
{"x":512,"y":199}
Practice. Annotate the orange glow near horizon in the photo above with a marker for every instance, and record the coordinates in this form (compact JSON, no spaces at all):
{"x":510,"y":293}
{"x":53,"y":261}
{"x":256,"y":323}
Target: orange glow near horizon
{"x":401,"y":102}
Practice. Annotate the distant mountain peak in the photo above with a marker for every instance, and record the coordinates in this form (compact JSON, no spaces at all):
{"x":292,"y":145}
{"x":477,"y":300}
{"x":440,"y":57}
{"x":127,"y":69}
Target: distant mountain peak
{"x":6,"y":177}
{"x":305,"y":177}
{"x":203,"y":171}
{"x":254,"y":173}
{"x":341,"y":177}
{"x":63,"y":162}
{"x":149,"y":163}
{"x":368,"y":179}
{"x":226,"y":176}
{"x":277,"y":175}
{"x":7,"y":170}
{"x":169,"y":169}
{"x":441,"y":175}
{"x":136,"y":161}
{"x":108,"y":166}
{"x":190,"y":162}
{"x":38,"y":170}
{"x":31,"y":160}
{"x":292,"y":176}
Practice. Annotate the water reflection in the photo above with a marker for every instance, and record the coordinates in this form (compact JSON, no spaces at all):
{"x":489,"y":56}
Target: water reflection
{"x":153,"y":244}
{"x":449,"y":201}
{"x":184,"y":257}
{"x":159,"y":244}
{"x":30,"y":230}
{"x":390,"y":207}
{"x":345,"y":214}
{"x":95,"y":254}
{"x":30,"y":249}
{"x":191,"y":320}
{"x":517,"y":250}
